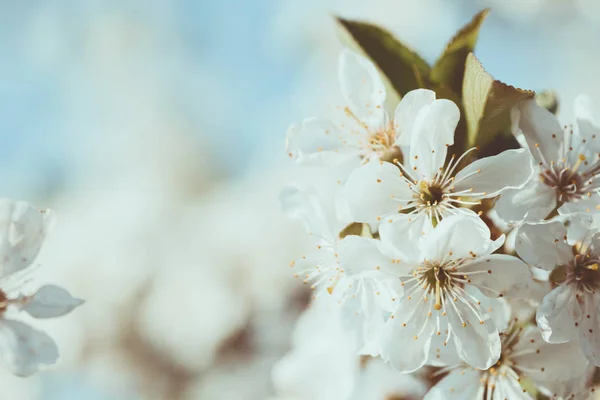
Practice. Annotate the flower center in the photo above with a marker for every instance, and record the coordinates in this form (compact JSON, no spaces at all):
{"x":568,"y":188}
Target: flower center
{"x":430,"y":194}
{"x":436,"y":195}
{"x":582,"y":271}
{"x":437,"y":279}
{"x":567,"y":181}
{"x":3,"y":301}
{"x":383,"y":139}
{"x":377,"y":141}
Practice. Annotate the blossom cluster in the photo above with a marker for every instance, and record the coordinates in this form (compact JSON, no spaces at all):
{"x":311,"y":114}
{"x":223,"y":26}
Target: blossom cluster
{"x":482,"y":267}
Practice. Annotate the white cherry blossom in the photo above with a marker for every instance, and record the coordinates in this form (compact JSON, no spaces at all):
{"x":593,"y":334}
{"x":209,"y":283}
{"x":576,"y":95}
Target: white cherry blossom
{"x":426,"y":187}
{"x":22,"y":232}
{"x":348,"y":269}
{"x":566,"y":176}
{"x":571,"y":311}
{"x":525,"y":357}
{"x":366,"y":131}
{"x":446,"y":289}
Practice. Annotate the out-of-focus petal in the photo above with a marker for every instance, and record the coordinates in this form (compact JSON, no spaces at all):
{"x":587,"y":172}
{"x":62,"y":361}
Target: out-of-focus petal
{"x":50,"y":301}
{"x":23,"y":349}
{"x":22,"y":232}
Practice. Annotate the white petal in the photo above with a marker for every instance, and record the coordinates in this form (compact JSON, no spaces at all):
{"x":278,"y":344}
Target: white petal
{"x":403,"y":232}
{"x":306,"y":206}
{"x":540,"y":358}
{"x":457,"y":235}
{"x":407,"y":336}
{"x":22,"y":232}
{"x":543,"y":245}
{"x":589,"y":331}
{"x":581,"y":228}
{"x":558,"y":315}
{"x":50,"y":301}
{"x":540,"y":127}
{"x":319,"y":373}
{"x":432,"y":133}
{"x":24,"y":350}
{"x":380,"y":382}
{"x":319,"y":141}
{"x":361,"y":84}
{"x":586,"y":124}
{"x":509,"y":388}
{"x":407,"y":111}
{"x":362,"y":315}
{"x":460,"y":384}
{"x":375,"y":190}
{"x":499,"y":275}
{"x":475,"y":335}
{"x":442,"y":352}
{"x":497,"y":308}
{"x":510,"y":169}
{"x":586,"y":205}
{"x":359,"y":254}
{"x":532,"y":203}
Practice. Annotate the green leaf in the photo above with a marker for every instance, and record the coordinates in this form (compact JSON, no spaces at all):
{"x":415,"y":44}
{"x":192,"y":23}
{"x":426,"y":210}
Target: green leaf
{"x":404,"y":68}
{"x":449,"y":69}
{"x":487,"y":103}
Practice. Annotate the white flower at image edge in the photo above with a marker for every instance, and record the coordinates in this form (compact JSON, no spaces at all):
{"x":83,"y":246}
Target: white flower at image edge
{"x":24,"y":349}
{"x":568,"y":164}
{"x":367,"y":131}
{"x":447,"y":290}
{"x":525,"y":357}
{"x":346,"y":269}
{"x":571,"y":311}
{"x":425,"y":187}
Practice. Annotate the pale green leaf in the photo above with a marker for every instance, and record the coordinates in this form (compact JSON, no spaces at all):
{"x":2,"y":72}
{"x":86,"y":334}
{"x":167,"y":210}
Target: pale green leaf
{"x":487,"y":103}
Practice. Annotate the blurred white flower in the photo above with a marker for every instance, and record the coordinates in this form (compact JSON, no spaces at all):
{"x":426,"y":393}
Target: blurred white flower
{"x":346,"y":269}
{"x":22,"y":232}
{"x":525,"y":358}
{"x":568,"y":164}
{"x":324,"y":365}
{"x":446,"y":284}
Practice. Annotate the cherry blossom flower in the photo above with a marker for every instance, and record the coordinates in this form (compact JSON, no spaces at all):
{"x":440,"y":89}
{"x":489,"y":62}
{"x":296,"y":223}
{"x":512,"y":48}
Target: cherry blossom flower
{"x":24,"y":349}
{"x":568,"y":164}
{"x":525,"y":357}
{"x":323,"y":364}
{"x":571,"y":310}
{"x":346,"y":269}
{"x":367,"y":131}
{"x":426,"y":188}
{"x":445,"y":293}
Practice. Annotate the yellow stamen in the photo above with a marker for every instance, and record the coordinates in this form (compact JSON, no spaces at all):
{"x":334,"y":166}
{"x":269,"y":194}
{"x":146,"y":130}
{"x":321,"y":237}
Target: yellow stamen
{"x":438,"y":300}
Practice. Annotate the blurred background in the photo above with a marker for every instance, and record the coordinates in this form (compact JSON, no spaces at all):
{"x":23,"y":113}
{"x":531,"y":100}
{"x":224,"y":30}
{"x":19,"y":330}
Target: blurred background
{"x":156,"y":130}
